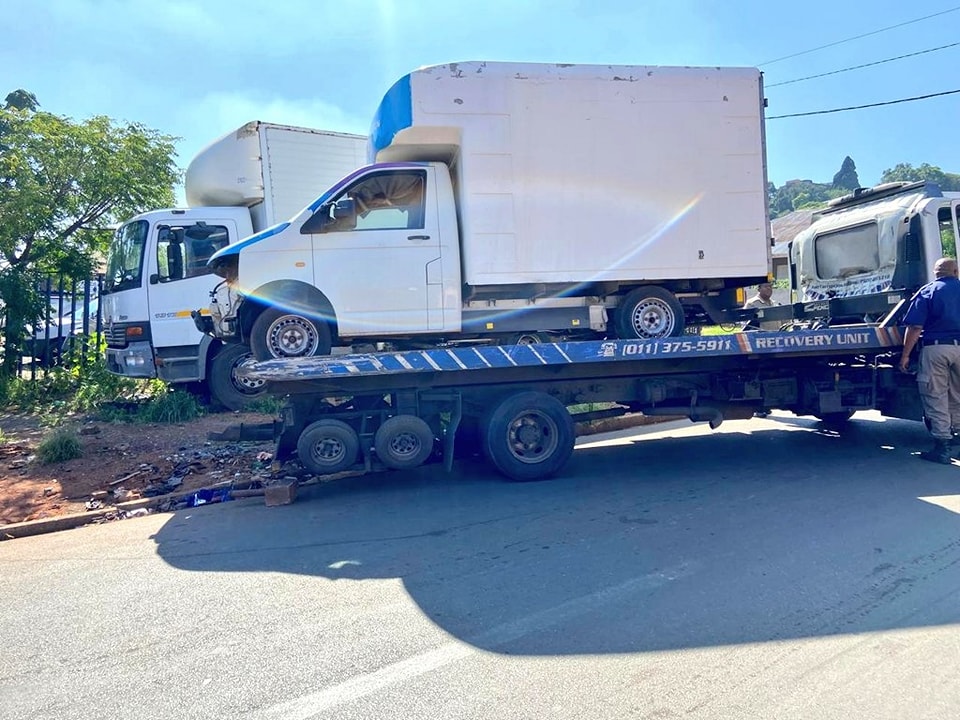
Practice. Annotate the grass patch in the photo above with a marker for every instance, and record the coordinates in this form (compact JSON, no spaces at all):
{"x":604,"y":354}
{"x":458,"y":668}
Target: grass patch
{"x":266,"y":404}
{"x":60,"y":445}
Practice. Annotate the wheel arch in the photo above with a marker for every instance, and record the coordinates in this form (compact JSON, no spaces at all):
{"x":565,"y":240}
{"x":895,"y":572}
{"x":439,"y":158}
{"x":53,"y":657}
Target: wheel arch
{"x":293,"y":295}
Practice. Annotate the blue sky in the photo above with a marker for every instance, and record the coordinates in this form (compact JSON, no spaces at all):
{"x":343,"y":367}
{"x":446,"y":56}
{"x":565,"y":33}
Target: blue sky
{"x":197,"y":70}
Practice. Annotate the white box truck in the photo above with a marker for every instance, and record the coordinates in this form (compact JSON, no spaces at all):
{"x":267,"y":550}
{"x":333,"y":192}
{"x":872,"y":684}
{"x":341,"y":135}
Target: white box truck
{"x":512,"y":200}
{"x":874,"y":246}
{"x":157,"y":264}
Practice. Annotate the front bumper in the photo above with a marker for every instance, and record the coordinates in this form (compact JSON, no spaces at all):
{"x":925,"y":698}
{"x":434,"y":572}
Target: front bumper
{"x":135,"y":360}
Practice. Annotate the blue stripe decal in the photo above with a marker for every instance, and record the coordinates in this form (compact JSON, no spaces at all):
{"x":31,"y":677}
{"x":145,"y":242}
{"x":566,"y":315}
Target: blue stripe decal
{"x":850,"y":340}
{"x":238,"y":246}
{"x":394,"y":114}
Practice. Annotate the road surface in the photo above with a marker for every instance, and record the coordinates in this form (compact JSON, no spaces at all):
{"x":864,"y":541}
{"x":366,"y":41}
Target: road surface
{"x":771,"y":569}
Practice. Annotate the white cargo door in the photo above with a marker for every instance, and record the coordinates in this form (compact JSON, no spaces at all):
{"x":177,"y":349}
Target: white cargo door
{"x":179,"y":279}
{"x":379,"y":274}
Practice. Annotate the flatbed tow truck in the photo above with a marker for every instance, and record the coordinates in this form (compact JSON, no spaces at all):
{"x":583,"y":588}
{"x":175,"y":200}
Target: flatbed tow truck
{"x":510,"y":403}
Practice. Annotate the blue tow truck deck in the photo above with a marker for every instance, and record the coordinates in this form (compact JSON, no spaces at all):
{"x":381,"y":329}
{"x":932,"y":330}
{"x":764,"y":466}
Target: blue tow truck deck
{"x":510,"y":403}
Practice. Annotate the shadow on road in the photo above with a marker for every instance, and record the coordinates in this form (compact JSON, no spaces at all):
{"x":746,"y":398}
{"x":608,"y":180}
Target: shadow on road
{"x":691,"y":540}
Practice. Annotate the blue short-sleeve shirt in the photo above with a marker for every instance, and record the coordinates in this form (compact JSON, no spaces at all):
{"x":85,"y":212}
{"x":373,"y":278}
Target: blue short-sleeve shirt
{"x":936,"y":308}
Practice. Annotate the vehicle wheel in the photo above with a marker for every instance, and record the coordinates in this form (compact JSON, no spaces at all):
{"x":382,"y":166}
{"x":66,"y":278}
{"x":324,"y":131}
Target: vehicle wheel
{"x":227,"y":389}
{"x":649,"y":312}
{"x":279,"y":334}
{"x":529,"y":436}
{"x":835,"y":418}
{"x":528,"y":338}
{"x":403,"y":442}
{"x":328,"y":446}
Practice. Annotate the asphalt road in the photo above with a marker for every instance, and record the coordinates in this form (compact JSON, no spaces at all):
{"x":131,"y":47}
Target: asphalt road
{"x":770,"y":569}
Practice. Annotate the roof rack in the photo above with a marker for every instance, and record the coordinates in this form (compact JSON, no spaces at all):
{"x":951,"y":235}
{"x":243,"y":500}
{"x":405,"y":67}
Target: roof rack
{"x":865,"y":195}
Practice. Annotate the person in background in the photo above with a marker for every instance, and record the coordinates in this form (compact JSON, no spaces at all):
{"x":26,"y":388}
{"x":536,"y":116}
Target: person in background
{"x":763,"y":299}
{"x":933,"y":319}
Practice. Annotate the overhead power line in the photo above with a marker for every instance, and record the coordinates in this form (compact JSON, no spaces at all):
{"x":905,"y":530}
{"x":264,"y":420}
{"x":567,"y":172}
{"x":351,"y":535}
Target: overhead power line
{"x":865,"y":65}
{"x":858,"y":37}
{"x":861,"y":107}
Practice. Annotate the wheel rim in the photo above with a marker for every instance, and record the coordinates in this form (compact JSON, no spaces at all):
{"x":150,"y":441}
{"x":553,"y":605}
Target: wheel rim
{"x":404,"y":445}
{"x":328,"y":451}
{"x":532,"y":437}
{"x":652,"y":318}
{"x":292,"y":336}
{"x":246,"y":385}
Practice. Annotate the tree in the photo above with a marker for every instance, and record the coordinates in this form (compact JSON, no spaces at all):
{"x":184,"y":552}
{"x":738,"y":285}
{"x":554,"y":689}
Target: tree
{"x":846,"y":178}
{"x":905,"y":172}
{"x":21,"y":100}
{"x":62,"y":185}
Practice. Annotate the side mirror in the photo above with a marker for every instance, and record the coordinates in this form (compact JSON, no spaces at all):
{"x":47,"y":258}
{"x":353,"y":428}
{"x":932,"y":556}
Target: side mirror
{"x":346,"y":208}
{"x":342,"y":214}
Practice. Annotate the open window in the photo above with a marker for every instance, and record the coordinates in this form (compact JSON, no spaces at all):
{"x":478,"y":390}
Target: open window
{"x":382,"y":201}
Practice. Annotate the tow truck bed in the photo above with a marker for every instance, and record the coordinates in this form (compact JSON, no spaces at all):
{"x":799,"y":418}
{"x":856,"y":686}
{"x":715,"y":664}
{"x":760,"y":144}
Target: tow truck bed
{"x":510,"y":402}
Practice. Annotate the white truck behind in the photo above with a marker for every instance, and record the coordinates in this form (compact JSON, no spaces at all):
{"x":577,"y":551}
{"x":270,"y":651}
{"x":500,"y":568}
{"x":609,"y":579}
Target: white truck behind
{"x":515,"y":201}
{"x":869,"y":249}
{"x":157,"y":270}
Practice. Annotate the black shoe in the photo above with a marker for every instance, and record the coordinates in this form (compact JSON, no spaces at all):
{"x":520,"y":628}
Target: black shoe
{"x":940,"y":452}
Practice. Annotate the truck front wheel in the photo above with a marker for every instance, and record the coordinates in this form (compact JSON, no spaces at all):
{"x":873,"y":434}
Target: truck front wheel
{"x":227,"y":388}
{"x":648,"y":313}
{"x":529,"y":436}
{"x":280,"y":334}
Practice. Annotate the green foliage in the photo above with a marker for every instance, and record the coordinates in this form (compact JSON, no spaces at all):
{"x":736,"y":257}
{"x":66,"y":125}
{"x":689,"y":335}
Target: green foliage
{"x":846,"y":178}
{"x":60,"y":445}
{"x":266,"y":404}
{"x":905,"y":172}
{"x":171,"y":407}
{"x":62,"y":185}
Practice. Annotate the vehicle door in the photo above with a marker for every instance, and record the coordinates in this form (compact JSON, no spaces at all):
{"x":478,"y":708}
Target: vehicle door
{"x":180,"y":280}
{"x":372,"y":245}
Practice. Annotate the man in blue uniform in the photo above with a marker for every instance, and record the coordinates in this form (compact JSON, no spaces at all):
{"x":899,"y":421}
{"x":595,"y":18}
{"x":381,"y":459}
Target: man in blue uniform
{"x":933,"y":318}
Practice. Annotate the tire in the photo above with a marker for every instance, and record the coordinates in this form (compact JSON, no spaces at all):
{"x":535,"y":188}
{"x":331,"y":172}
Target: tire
{"x":403,"y":442}
{"x":647,"y":313}
{"x":528,"y":436}
{"x":280,"y":334}
{"x":835,"y":418}
{"x":328,"y":446}
{"x":226,"y":388}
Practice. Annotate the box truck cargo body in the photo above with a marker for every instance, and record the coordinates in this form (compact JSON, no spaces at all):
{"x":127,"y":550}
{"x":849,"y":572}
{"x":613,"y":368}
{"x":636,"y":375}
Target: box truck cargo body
{"x":520,"y":199}
{"x":157,"y":269}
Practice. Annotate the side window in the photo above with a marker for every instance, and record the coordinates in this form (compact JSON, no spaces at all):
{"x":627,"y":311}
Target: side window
{"x":182,"y":252}
{"x":200,"y":242}
{"x":948,"y":240}
{"x":386,"y":201}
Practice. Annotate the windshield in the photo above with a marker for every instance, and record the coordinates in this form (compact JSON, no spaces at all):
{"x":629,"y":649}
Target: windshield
{"x":125,"y":257}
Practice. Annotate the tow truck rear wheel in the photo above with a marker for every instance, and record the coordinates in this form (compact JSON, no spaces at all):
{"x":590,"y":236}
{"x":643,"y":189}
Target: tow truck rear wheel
{"x":227,"y":388}
{"x":280,"y":334}
{"x":648,"y":313}
{"x":528,"y":436}
{"x":328,"y":446}
{"x":403,"y":442}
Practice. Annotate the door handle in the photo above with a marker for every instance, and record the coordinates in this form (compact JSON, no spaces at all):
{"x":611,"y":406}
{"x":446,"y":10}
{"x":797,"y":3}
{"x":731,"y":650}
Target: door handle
{"x":418,"y":237}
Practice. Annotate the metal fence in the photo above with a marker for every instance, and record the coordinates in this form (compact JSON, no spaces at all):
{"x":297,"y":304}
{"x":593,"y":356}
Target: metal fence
{"x":73,"y":317}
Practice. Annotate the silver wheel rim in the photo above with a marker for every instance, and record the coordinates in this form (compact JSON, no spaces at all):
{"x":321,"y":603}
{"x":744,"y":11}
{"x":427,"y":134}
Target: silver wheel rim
{"x":292,"y":336}
{"x":652,"y":318}
{"x":246,"y":385}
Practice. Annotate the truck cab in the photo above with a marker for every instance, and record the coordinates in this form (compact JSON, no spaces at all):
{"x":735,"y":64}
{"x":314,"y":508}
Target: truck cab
{"x":874,"y":246}
{"x":156,"y":265}
{"x":376,"y":255}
